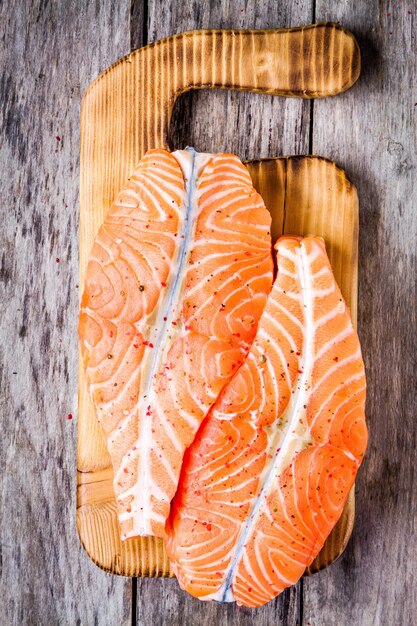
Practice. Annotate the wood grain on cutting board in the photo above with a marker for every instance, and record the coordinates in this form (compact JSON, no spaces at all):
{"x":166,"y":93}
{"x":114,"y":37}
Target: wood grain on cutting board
{"x":127,"y":111}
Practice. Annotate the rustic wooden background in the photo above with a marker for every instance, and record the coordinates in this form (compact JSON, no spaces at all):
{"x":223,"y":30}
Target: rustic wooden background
{"x":49,"y":52}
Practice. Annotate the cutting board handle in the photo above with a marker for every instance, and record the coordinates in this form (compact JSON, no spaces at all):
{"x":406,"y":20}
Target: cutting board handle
{"x":306,"y":62}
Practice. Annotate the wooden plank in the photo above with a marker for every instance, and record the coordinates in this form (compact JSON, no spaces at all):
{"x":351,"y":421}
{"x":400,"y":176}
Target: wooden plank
{"x":252,"y":126}
{"x":161,"y":602}
{"x":50,"y":52}
{"x":374,"y":136}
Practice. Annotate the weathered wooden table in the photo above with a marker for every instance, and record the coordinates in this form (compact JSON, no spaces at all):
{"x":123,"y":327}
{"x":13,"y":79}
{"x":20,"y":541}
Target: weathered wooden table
{"x":50,"y":52}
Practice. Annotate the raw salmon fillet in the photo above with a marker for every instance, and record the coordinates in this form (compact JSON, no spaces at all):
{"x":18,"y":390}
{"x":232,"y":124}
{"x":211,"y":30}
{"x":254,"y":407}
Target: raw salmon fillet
{"x":176,"y":282}
{"x":268,"y":474}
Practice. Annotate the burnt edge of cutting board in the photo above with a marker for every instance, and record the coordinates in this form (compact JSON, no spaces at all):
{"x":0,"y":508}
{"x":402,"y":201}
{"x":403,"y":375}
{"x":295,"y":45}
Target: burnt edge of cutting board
{"x":299,"y":41}
{"x":305,"y":194}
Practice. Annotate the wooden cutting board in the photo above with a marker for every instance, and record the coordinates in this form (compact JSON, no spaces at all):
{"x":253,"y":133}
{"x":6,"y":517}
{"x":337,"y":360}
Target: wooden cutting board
{"x":126,"y":111}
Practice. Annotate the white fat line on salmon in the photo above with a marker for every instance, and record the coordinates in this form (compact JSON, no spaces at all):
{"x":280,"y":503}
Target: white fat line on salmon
{"x":162,"y":333}
{"x":283,"y":446}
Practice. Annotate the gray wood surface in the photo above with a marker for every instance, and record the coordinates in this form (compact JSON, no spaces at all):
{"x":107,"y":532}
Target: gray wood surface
{"x":162,"y":603}
{"x":49,"y":53}
{"x":373,"y":134}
